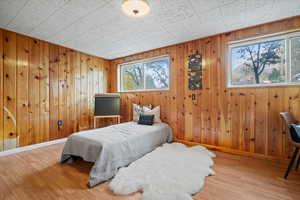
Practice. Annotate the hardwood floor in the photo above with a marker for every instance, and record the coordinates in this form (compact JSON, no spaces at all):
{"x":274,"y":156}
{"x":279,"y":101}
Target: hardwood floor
{"x":37,"y":174}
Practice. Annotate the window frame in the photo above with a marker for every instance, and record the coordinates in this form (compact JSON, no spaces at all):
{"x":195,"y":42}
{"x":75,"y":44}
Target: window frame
{"x":286,"y":36}
{"x":143,"y":62}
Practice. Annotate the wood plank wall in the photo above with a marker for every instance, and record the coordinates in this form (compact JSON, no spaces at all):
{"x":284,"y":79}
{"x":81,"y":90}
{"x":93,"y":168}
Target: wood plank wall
{"x":41,"y":83}
{"x":238,"y":120}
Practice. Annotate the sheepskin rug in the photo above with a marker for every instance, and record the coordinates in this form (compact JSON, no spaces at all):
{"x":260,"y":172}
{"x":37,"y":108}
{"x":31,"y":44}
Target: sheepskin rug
{"x":170,"y":172}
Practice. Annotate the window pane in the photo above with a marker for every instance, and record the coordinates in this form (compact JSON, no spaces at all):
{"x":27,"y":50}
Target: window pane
{"x":132,"y":77}
{"x":295,"y":59}
{"x":261,"y":63}
{"x":157,"y":74}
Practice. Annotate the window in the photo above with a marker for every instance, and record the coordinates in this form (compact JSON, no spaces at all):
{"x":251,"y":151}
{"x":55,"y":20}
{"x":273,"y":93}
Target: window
{"x":269,"y":60}
{"x":144,"y":75}
{"x":295,"y":60}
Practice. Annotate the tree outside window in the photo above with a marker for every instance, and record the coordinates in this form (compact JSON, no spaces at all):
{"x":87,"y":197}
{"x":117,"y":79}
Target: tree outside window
{"x":266,"y":62}
{"x":152,"y":74}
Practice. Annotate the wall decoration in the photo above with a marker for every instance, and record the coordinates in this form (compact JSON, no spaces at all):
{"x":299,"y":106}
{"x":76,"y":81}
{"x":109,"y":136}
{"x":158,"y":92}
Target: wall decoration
{"x":195,"y":82}
{"x":195,"y":72}
{"x":195,"y":62}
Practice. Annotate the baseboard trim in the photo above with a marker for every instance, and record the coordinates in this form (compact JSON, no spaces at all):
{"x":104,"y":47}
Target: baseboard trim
{"x":31,"y":147}
{"x":234,"y":151}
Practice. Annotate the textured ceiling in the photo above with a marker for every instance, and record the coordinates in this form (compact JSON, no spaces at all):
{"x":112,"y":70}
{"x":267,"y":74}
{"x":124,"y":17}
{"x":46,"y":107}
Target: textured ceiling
{"x":98,"y":27}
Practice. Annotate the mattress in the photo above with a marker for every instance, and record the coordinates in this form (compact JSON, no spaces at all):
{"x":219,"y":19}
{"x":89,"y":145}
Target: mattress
{"x":115,"y":146}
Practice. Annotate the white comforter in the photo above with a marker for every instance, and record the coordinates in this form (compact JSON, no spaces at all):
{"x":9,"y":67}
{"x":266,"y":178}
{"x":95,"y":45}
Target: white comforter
{"x":114,"y":147}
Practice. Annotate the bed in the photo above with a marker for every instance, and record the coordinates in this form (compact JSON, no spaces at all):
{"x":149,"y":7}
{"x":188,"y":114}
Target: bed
{"x":113,"y":147}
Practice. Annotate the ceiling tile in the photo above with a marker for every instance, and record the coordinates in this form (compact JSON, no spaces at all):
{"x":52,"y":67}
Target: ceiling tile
{"x":258,"y":10}
{"x":54,"y":23}
{"x":33,"y":14}
{"x":204,"y":5}
{"x":284,"y":9}
{"x":234,"y":12}
{"x":9,"y":9}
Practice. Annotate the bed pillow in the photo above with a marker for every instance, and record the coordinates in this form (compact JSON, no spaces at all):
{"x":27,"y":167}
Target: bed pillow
{"x":147,"y":107}
{"x":155,"y":111}
{"x":138,"y":109}
{"x":146,"y":119}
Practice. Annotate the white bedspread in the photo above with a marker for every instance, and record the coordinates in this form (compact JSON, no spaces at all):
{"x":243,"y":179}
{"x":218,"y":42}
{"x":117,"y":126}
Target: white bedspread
{"x":114,"y":147}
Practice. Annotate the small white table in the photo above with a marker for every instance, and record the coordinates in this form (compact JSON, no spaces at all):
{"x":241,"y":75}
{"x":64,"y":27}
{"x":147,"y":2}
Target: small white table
{"x":107,"y":116}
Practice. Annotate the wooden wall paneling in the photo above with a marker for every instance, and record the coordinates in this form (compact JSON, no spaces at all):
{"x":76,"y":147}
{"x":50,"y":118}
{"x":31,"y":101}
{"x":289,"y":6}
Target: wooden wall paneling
{"x":22,"y":90}
{"x":90,"y":75}
{"x":106,"y":74}
{"x":275,"y":126}
{"x":188,"y":118}
{"x":106,"y":84}
{"x":96,"y":76}
{"x":207,"y":110}
{"x":286,"y":106}
{"x":84,"y":107}
{"x":68,"y":88}
{"x":34,"y":91}
{"x":1,"y":93}
{"x":235,"y":119}
{"x":229,"y":127}
{"x":42,"y":83}
{"x":249,"y":128}
{"x":9,"y":90}
{"x":293,"y":94}
{"x":96,"y":83}
{"x":243,"y":137}
{"x":261,"y":120}
{"x":173,"y":109}
{"x":217,"y":85}
{"x":70,"y":97}
{"x":177,"y":64}
{"x":195,"y":47}
{"x":100,"y":66}
{"x":77,"y":71}
{"x":54,"y":90}
{"x":220,"y":91}
{"x":44,"y":92}
{"x":125,"y":108}
{"x":225,"y":97}
{"x":97,"y":70}
{"x":71,"y":82}
{"x":205,"y":107}
{"x":63,"y":90}
{"x":214,"y":91}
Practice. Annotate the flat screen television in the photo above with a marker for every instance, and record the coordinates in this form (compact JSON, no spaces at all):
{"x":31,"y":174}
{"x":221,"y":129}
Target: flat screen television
{"x":107,"y":104}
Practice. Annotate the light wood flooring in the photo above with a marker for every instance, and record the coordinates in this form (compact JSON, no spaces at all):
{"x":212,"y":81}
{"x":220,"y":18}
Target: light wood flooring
{"x":37,"y":174}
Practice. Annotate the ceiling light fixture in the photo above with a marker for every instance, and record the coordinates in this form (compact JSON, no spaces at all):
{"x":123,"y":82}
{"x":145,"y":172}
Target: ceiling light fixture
{"x":135,"y":8}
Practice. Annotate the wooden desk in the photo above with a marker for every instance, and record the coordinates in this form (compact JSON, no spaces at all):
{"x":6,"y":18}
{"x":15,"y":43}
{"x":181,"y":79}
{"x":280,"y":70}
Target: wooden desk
{"x":107,"y":116}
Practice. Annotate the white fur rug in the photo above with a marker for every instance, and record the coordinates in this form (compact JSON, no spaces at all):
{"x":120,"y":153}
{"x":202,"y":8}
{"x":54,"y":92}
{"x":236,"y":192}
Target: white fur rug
{"x":170,"y":172}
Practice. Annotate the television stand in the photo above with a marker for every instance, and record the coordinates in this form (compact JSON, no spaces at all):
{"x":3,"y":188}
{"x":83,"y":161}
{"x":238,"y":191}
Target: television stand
{"x":107,"y":116}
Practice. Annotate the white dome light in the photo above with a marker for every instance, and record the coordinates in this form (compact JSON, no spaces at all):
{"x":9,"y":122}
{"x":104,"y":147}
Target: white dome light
{"x":135,"y":8}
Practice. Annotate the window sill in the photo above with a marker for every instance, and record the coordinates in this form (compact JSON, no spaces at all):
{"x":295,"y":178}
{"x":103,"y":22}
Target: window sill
{"x":143,"y":91}
{"x":263,"y":86}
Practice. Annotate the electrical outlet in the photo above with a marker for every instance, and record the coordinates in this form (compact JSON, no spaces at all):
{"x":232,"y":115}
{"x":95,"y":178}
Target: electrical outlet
{"x":59,"y":123}
{"x":193,"y":97}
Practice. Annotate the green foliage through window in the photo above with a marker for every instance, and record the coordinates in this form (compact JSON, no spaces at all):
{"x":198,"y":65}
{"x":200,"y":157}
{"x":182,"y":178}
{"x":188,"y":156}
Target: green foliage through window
{"x":295,"y":59}
{"x":271,"y":61}
{"x":152,"y":74}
